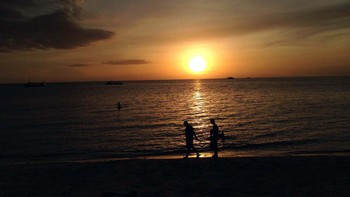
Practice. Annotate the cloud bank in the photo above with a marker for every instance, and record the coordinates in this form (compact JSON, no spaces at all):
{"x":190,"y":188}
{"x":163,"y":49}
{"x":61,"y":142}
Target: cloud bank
{"x":79,"y":65}
{"x":128,"y":62}
{"x":293,"y":24}
{"x":28,"y":25}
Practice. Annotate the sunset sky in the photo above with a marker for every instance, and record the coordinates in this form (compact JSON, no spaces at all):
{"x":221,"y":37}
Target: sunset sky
{"x":98,"y":40}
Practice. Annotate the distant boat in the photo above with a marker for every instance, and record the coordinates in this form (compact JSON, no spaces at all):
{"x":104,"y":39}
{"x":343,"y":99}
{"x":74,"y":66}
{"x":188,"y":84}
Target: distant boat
{"x":230,"y":78}
{"x":114,"y":83}
{"x":35,"y":84}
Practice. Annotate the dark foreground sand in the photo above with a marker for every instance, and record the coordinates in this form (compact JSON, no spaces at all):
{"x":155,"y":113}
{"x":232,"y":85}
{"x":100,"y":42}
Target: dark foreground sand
{"x":273,"y":176}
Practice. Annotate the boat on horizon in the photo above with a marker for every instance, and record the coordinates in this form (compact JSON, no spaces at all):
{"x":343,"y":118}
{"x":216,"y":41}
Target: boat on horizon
{"x":230,"y":78}
{"x":114,"y":83}
{"x":34,"y":84}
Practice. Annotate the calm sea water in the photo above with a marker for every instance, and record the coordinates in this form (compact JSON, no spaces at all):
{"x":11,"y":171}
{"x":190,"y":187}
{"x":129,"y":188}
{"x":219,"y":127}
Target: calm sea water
{"x":73,"y":121}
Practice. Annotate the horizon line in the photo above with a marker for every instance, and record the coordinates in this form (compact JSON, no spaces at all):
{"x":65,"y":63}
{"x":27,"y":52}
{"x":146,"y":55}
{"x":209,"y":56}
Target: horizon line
{"x":177,"y":79}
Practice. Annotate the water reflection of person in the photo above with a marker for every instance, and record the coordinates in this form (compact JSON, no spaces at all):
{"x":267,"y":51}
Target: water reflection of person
{"x":214,"y":136}
{"x":189,"y":133}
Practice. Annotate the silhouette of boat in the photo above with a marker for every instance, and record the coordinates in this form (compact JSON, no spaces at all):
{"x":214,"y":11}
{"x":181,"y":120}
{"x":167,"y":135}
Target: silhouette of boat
{"x":230,"y":78}
{"x":114,"y":83}
{"x":35,"y":84}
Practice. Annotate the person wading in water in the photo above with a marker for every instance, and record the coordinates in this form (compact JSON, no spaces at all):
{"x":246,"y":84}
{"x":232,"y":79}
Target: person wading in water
{"x":214,"y":136}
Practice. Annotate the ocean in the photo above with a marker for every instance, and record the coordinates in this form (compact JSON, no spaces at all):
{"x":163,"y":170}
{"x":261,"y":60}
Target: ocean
{"x":261,"y":117}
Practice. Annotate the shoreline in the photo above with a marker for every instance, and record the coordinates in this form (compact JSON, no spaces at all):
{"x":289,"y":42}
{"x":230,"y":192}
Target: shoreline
{"x":240,"y":176}
{"x":176,"y":156}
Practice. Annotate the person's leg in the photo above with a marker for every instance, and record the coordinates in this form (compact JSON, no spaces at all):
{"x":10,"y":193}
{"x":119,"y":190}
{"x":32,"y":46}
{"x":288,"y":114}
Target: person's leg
{"x":215,"y":149}
{"x":195,"y":150}
{"x":187,"y":152}
{"x":215,"y":153}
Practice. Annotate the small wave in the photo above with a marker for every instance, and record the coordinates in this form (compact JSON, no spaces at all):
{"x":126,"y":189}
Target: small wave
{"x":275,"y":144}
{"x":272,"y":134}
{"x":320,"y":152}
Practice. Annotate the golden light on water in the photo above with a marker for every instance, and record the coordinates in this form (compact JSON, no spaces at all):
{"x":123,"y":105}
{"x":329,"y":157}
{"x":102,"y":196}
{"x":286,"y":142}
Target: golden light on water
{"x":199,"y":106}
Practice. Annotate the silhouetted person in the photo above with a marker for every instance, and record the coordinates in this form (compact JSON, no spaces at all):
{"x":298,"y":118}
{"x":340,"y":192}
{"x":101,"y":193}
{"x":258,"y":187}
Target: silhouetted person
{"x":189,"y":133}
{"x":214,"y":136}
{"x":119,"y":106}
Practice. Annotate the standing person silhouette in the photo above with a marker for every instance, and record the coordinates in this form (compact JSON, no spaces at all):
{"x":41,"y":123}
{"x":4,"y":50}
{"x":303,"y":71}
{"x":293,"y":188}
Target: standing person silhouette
{"x":214,"y":136}
{"x":189,"y":133}
{"x":119,"y":106}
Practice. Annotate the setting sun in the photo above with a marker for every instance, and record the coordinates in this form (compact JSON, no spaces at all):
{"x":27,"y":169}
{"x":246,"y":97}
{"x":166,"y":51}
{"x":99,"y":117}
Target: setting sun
{"x":197,"y":64}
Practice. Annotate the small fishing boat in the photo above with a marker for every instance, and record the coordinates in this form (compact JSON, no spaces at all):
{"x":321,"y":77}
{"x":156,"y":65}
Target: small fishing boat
{"x":34,"y":84}
{"x":114,"y":83}
{"x":230,"y":78}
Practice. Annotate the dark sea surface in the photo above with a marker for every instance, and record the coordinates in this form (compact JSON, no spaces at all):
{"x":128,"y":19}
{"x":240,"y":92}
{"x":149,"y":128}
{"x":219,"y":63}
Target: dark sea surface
{"x":80,"y":121}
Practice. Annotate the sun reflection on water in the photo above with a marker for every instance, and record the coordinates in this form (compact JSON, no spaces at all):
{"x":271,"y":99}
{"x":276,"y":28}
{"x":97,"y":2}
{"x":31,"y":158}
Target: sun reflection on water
{"x":199,"y":112}
{"x":198,"y":102}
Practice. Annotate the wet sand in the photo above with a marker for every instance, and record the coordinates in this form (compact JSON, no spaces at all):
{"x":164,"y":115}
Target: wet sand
{"x":249,"y":176}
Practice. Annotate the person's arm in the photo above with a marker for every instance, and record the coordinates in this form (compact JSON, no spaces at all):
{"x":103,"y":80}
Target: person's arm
{"x":195,"y":136}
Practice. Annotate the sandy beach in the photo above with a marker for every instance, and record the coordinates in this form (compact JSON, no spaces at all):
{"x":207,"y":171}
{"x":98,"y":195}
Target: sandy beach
{"x":249,"y":176}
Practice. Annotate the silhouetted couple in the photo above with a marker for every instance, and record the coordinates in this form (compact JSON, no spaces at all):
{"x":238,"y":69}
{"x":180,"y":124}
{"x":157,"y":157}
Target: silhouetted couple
{"x":214,"y":136}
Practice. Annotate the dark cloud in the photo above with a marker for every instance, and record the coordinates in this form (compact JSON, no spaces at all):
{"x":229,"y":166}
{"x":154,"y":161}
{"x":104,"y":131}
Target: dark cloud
{"x":8,"y":14}
{"x":20,"y":3}
{"x":128,"y":62}
{"x":118,"y":62}
{"x":57,"y":28}
{"x":79,"y":65}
